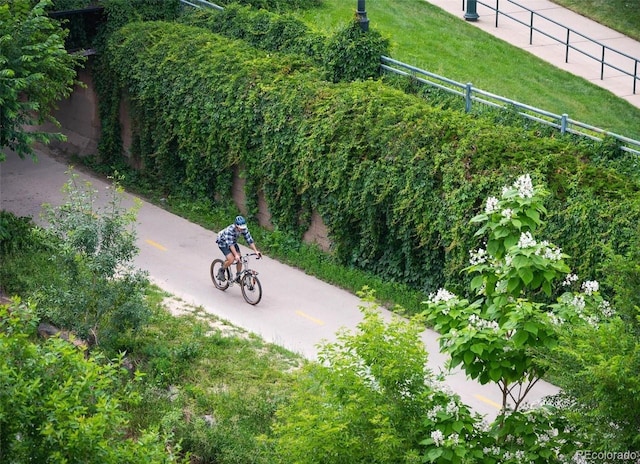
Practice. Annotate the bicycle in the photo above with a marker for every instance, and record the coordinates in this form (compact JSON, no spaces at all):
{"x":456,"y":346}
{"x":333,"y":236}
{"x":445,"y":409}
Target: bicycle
{"x":248,"y":281}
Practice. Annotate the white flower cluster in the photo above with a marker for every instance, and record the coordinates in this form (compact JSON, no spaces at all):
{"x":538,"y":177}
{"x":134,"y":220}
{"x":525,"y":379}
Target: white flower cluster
{"x":478,"y":256}
{"x":494,"y":450}
{"x":449,"y":341}
{"x":479,"y":324}
{"x":548,"y":440}
{"x":433,"y":413}
{"x":518,"y":455}
{"x":570,"y":279}
{"x":549,"y":251}
{"x":507,"y":213}
{"x":438,"y":437}
{"x":590,"y":287}
{"x":491,"y":206}
{"x":526,"y":240}
{"x":442,"y":295}
{"x":555,"y":319}
{"x":508,"y":260}
{"x":524,"y":186}
{"x":606,"y":309}
{"x":578,"y":303}
{"x":452,"y":408}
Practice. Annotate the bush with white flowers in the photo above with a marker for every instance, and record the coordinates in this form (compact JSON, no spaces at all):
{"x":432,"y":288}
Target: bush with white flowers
{"x":498,"y":335}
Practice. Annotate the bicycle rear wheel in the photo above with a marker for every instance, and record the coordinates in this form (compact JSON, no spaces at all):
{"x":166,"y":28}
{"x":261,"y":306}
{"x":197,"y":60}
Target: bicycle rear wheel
{"x":251,"y":289}
{"x":216,"y":265}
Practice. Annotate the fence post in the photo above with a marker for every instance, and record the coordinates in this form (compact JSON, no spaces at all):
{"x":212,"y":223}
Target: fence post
{"x":471,"y":14}
{"x":361,"y":14}
{"x":531,"y":30}
{"x":563,"y":123}
{"x":467,"y":97}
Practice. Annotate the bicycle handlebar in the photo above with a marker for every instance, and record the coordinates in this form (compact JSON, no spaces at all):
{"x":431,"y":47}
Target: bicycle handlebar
{"x":243,"y":257}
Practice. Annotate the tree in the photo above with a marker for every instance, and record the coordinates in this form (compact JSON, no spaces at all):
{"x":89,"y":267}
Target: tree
{"x":58,"y":407}
{"x":35,"y":73}
{"x":507,"y":333}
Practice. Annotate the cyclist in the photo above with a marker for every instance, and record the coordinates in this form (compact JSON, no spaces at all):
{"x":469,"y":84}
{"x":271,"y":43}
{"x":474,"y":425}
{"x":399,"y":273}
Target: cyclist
{"x":228,"y":242}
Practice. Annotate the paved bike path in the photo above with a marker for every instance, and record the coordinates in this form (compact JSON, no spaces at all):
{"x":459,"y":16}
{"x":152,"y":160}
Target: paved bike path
{"x":297,"y":311}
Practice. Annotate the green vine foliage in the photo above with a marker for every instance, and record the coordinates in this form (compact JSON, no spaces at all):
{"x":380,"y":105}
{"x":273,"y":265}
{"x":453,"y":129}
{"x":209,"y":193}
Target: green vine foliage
{"x":119,"y":13}
{"x":353,"y":54}
{"x":273,"y":5}
{"x":348,"y":55}
{"x":260,"y":28}
{"x":395,"y":179}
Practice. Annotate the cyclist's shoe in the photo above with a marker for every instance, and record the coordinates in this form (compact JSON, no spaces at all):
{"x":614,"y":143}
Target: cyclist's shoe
{"x":221,"y":276}
{"x":237,"y":279}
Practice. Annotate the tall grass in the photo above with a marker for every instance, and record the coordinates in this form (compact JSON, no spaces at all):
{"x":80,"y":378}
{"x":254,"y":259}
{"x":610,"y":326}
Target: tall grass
{"x":425,"y":36}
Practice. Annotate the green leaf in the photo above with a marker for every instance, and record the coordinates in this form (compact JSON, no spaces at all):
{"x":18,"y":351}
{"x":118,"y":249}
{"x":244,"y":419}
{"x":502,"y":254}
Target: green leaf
{"x":495,"y":374}
{"x":477,"y":348}
{"x":501,"y":232}
{"x":526,"y":275}
{"x":457,"y":426}
{"x":533,"y":214}
{"x":469,"y":357}
{"x":477,"y":282}
{"x":520,"y":261}
{"x":520,"y":338}
{"x":513,"y":285}
{"x":531,"y":327}
{"x":434,"y":453}
{"x":511,"y":241}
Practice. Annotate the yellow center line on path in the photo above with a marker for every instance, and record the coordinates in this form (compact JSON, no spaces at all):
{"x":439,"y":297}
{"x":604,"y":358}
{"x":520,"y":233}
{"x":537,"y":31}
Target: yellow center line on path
{"x":312,"y":319}
{"x":156,"y":245}
{"x":484,"y":399}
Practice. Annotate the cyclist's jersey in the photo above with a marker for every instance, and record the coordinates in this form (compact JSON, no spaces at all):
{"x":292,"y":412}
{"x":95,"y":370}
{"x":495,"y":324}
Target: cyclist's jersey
{"x":229,"y":236}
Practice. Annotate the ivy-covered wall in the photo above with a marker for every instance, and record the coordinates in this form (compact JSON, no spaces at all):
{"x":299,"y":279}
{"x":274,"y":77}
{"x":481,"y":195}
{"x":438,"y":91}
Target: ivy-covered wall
{"x":394,"y":179}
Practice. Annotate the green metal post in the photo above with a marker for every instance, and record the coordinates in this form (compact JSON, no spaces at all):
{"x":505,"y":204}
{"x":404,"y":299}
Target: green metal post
{"x":361,"y":13}
{"x":471,"y":14}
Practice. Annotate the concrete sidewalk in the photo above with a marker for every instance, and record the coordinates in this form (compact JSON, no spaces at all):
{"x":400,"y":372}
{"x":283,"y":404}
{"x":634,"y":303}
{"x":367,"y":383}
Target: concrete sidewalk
{"x":554,"y":52}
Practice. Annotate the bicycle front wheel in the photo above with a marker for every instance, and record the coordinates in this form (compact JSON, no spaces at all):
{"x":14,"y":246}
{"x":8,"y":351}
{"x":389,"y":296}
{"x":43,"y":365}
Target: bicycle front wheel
{"x":216,"y":265}
{"x":251,"y":289}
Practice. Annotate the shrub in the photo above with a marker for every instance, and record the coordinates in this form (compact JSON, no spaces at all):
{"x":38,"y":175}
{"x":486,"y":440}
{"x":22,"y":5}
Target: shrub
{"x":56,"y":406}
{"x":103,"y":294}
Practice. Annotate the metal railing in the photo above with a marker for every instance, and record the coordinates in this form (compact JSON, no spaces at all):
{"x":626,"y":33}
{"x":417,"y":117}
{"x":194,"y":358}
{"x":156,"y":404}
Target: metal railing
{"x":471,"y":94}
{"x":201,"y":3}
{"x":581,"y":45}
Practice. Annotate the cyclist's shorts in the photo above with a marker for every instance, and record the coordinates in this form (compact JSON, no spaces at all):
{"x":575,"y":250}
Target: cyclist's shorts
{"x":226,"y":250}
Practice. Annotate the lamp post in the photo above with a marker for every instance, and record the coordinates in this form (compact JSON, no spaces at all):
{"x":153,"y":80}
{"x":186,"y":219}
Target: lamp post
{"x":362,"y":16}
{"x":471,"y":14}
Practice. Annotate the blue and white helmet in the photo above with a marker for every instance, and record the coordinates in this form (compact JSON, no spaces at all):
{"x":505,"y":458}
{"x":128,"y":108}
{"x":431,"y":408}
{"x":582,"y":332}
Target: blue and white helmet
{"x":241,"y":222}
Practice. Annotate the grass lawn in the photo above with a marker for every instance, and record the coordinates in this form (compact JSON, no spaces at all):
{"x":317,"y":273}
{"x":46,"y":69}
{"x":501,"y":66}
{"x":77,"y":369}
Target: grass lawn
{"x":620,"y":15}
{"x":425,"y":36}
